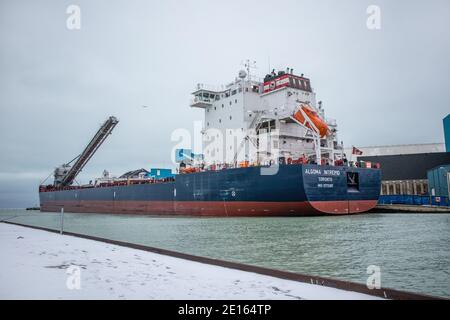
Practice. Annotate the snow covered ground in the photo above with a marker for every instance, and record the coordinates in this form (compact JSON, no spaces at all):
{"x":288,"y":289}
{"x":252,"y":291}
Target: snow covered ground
{"x":36,"y":264}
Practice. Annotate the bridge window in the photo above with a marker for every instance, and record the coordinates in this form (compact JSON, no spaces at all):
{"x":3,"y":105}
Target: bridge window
{"x":291,"y":82}
{"x":303,"y":84}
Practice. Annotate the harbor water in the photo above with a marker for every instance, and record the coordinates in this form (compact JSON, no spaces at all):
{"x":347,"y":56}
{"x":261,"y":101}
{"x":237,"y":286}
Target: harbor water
{"x":412,"y":250}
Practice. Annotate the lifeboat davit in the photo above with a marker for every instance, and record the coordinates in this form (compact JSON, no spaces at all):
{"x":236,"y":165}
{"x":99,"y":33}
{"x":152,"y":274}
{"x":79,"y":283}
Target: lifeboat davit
{"x":320,"y":124}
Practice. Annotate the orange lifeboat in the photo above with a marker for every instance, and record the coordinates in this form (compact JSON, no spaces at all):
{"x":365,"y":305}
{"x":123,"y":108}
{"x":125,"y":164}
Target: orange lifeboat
{"x":320,"y":124}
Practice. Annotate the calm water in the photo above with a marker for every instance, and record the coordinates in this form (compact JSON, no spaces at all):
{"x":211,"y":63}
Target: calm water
{"x":413,"y":250}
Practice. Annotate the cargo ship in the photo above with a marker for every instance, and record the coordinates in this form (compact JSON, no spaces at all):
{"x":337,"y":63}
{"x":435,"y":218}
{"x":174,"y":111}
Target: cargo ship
{"x":268,"y":150}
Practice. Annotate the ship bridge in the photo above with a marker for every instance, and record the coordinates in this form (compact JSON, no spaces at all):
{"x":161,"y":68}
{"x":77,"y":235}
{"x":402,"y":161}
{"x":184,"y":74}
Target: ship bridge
{"x":204,"y":97}
{"x":277,"y":81}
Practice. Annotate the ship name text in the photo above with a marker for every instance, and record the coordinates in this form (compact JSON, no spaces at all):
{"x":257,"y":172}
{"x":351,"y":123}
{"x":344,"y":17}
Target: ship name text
{"x":322,"y":172}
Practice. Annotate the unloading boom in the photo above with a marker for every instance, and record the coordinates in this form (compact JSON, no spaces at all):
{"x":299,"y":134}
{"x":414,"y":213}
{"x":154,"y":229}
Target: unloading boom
{"x":65,"y":175}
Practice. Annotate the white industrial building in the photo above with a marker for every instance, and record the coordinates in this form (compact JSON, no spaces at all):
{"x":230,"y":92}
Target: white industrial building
{"x":389,"y":150}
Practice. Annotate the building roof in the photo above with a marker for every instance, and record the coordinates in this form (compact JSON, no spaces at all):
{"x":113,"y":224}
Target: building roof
{"x":133,"y":174}
{"x":408,"y":166}
{"x":398,"y":149}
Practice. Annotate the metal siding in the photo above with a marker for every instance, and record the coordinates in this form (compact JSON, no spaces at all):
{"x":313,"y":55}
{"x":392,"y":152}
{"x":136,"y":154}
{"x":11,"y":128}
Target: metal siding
{"x":446,"y":122}
{"x":408,"y":166}
{"x":437,"y":179}
{"x":430,"y":177}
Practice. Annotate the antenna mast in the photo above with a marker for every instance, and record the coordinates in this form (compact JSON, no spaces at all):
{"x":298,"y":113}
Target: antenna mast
{"x":249,"y":65}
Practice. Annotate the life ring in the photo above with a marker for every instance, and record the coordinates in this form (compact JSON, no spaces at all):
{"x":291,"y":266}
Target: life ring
{"x":272,"y":85}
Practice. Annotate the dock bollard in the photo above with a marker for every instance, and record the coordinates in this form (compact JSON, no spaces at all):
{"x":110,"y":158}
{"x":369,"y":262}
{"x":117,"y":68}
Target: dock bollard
{"x":62,"y":221}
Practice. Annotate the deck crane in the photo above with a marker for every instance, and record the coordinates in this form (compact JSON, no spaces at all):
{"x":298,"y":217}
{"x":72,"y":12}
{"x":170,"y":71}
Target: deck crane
{"x":66,"y":173}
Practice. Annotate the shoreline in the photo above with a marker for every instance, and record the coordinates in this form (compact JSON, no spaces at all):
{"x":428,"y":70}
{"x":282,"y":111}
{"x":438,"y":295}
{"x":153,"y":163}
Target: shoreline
{"x":299,"y":279}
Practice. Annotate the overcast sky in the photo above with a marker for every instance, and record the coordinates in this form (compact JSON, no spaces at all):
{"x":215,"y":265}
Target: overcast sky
{"x":387,"y":86}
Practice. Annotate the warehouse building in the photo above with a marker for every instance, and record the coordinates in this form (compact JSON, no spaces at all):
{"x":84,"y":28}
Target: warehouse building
{"x":407,"y":173}
{"x":399,"y":149}
{"x":405,"y":168}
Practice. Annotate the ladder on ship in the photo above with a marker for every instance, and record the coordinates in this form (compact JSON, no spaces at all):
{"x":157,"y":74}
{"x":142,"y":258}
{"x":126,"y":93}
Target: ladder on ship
{"x":253,"y":125}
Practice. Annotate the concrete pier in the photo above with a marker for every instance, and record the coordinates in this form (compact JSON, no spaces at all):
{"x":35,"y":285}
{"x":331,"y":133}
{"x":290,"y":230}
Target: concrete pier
{"x":37,"y":264}
{"x":402,"y":208}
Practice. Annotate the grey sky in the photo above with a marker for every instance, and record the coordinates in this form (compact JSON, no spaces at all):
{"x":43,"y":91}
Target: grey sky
{"x":56,"y":86}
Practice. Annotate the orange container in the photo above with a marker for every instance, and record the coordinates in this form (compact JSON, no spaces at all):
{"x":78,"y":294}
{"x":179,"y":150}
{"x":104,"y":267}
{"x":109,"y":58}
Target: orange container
{"x":244,"y":164}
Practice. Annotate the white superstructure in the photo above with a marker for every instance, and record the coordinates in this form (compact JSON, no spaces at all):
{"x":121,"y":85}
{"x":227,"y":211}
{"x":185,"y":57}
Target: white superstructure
{"x":254,"y":121}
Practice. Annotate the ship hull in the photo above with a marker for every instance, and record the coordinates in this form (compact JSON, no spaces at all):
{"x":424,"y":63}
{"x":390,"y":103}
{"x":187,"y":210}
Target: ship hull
{"x":287,"y":190}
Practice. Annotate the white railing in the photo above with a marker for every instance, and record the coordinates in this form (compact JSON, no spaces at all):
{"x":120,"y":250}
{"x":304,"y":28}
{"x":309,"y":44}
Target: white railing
{"x":207,"y":87}
{"x":201,"y":101}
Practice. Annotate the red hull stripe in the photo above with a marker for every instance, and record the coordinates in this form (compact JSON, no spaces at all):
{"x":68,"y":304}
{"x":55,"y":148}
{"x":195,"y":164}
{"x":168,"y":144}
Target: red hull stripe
{"x":344,"y":207}
{"x":213,"y":208}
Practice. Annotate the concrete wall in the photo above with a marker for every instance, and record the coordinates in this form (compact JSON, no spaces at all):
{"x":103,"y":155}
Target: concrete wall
{"x":404,"y":187}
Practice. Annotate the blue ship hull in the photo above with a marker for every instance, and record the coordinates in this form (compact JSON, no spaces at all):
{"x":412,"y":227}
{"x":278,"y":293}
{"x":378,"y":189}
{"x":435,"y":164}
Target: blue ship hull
{"x":287,"y":190}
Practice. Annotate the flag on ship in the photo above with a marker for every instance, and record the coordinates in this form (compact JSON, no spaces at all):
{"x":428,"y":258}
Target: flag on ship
{"x":356,"y":151}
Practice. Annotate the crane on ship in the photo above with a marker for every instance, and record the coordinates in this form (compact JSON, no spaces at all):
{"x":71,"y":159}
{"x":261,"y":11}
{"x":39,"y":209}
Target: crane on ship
{"x":65,"y":174}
